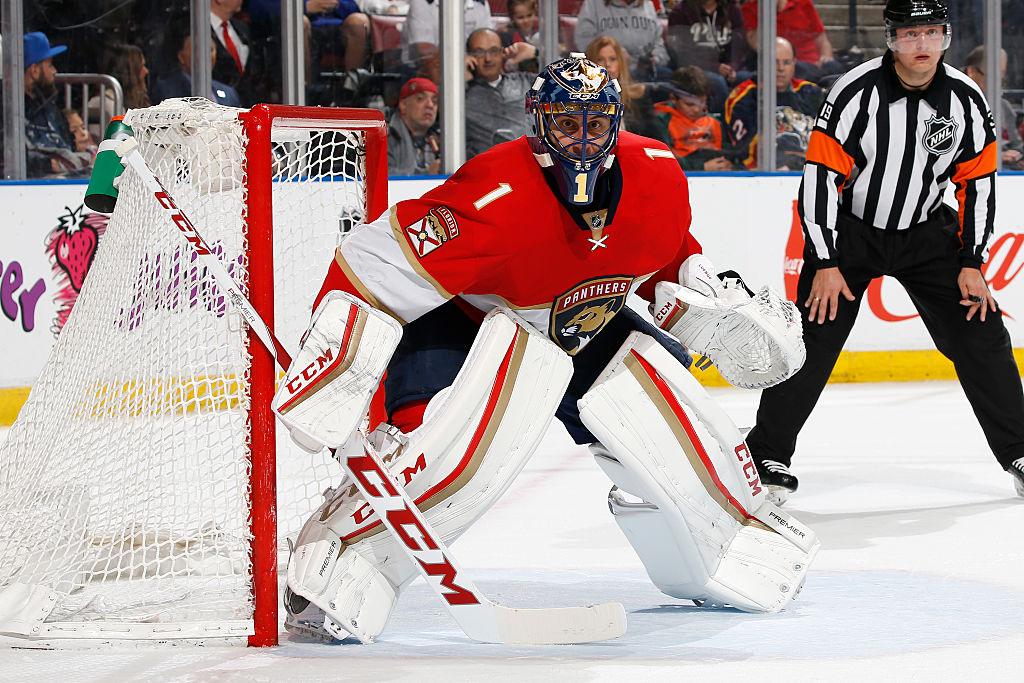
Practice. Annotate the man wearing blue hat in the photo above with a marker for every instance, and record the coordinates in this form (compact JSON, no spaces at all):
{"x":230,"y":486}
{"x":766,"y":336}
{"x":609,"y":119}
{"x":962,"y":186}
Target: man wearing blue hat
{"x":49,"y":144}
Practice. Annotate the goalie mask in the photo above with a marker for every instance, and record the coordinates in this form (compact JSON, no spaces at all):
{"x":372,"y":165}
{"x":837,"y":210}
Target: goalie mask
{"x":576,"y":109}
{"x":912,"y":14}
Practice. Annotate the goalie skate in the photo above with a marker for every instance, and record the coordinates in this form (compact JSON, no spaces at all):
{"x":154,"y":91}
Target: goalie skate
{"x":777,"y":477}
{"x":305,"y":619}
{"x":1016,"y":470}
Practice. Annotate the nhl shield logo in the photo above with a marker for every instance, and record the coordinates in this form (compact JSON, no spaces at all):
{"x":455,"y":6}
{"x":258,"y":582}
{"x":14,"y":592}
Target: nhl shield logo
{"x":939,"y":134}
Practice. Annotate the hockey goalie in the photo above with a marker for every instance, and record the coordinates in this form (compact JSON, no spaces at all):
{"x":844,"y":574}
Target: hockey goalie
{"x":498,"y":301}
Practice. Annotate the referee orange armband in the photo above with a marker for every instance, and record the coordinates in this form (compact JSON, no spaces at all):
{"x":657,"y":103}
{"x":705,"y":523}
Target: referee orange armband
{"x":826,"y":150}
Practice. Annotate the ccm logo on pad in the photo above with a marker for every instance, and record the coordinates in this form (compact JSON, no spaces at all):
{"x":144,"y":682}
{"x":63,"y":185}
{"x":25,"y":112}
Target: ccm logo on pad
{"x":749,"y":470}
{"x":324,"y":367}
{"x":669,"y":313}
{"x":311,"y":371}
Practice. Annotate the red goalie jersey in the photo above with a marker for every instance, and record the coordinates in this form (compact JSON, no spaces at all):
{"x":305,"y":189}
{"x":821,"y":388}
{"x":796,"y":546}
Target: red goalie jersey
{"x":495,"y":233}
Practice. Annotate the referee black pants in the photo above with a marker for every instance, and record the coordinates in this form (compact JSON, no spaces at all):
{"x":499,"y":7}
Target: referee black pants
{"x":924,"y":260}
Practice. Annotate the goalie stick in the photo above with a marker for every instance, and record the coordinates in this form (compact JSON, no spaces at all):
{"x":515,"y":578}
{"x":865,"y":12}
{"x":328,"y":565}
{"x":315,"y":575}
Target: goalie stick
{"x":479,"y":617}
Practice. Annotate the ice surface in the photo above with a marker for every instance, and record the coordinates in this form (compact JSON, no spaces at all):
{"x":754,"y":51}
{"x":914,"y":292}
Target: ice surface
{"x":919,"y":576}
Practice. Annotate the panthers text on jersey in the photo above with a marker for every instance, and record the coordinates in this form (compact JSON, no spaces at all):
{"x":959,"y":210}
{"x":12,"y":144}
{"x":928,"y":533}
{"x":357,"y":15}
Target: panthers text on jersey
{"x":496,"y":233}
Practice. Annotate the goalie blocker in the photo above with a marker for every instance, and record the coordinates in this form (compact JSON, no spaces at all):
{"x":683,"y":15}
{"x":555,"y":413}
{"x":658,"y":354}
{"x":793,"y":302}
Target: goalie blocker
{"x":696,"y":512}
{"x":341,"y":359}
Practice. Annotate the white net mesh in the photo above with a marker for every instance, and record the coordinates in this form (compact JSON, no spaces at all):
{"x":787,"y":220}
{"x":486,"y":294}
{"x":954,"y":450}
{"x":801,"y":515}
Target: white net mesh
{"x":124,"y":483}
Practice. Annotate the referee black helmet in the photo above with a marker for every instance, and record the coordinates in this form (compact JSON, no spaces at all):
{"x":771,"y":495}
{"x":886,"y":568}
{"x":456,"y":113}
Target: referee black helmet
{"x":900,"y":13}
{"x":907,"y":13}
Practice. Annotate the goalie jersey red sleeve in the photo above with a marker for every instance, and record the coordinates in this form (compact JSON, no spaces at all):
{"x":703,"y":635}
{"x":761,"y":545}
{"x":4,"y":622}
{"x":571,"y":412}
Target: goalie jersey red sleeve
{"x":495,"y":233}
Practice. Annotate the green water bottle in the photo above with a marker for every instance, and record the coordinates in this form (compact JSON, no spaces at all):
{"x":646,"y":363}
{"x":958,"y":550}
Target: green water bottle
{"x":101,"y":195}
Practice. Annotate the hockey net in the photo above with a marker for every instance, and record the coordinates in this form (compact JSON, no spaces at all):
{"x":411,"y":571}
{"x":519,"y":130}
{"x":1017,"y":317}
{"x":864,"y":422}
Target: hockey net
{"x":137,"y":484}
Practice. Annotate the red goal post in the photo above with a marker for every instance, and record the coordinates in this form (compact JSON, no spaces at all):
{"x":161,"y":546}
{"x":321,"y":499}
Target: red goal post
{"x":259,"y":208}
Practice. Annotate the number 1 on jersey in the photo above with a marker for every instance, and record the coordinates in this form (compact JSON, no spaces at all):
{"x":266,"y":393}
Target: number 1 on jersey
{"x":581,"y":188}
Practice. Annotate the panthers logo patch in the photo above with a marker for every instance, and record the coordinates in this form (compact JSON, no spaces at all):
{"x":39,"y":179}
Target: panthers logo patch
{"x":436,"y":228}
{"x":581,"y":77}
{"x":584,"y":310}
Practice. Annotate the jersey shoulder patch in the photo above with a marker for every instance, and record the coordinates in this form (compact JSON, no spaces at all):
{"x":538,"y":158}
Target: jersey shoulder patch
{"x":432,"y":231}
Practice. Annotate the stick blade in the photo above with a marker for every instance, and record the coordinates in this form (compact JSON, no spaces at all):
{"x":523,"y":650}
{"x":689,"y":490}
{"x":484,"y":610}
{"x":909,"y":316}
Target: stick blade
{"x":560,"y":625}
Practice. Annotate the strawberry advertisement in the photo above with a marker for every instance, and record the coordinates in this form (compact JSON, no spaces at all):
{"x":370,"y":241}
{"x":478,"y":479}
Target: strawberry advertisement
{"x":71,"y":247}
{"x":46,"y":249}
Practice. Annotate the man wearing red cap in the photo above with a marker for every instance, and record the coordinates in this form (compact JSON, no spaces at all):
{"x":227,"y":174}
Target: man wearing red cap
{"x":50,"y":146}
{"x":413,"y":146}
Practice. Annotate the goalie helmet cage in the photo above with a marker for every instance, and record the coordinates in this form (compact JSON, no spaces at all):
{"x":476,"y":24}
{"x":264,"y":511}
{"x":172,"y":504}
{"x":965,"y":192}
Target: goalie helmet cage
{"x":137,"y":486}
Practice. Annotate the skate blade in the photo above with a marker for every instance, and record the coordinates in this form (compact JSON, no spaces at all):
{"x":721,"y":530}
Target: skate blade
{"x":778,"y":495}
{"x":309,"y":630}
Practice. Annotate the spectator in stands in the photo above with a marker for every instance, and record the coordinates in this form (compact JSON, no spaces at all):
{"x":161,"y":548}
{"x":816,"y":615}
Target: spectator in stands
{"x":969,"y":18}
{"x":694,"y":136}
{"x":524,"y":27}
{"x":421,"y":34}
{"x":84,"y":141}
{"x":634,"y":24}
{"x":524,"y":23}
{"x":339,"y":29}
{"x":238,"y":63}
{"x":50,"y":147}
{"x":796,"y":105}
{"x":638,"y":108}
{"x":337,"y":32}
{"x":1010,"y":144}
{"x":798,"y":22}
{"x":710,"y":34}
{"x":413,"y":143}
{"x":523,"y":54}
{"x":127,"y":64}
{"x":179,"y":83}
{"x":494,"y":101}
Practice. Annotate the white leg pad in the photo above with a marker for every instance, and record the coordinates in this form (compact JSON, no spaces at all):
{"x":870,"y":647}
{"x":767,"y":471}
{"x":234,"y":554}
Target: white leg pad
{"x":355,"y":596}
{"x":476,"y":437}
{"x":703,"y":527}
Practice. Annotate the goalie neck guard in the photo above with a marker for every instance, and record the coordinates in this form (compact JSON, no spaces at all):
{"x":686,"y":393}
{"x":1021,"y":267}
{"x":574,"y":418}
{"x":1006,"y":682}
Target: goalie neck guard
{"x":576,"y":109}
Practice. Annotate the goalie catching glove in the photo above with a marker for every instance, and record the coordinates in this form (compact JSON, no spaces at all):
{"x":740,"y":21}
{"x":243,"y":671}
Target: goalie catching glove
{"x":756,"y":341}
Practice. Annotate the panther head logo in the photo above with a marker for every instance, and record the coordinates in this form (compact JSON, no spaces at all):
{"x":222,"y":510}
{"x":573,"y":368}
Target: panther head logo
{"x":581,"y":312}
{"x":582,"y":77}
{"x":586,"y":322}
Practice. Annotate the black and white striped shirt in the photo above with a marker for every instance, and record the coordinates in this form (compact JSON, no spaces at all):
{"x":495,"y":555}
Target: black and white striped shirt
{"x":885,"y":155}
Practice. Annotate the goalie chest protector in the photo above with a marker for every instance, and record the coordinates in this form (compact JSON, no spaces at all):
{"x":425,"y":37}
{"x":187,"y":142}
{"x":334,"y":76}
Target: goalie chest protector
{"x":496,"y":228}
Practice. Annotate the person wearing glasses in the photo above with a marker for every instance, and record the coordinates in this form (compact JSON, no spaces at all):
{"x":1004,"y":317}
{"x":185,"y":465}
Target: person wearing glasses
{"x":796,"y":105}
{"x":494,"y":100}
{"x":890,"y":137}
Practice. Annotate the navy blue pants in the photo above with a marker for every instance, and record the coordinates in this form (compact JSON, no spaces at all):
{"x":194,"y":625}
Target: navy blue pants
{"x":434,"y":347}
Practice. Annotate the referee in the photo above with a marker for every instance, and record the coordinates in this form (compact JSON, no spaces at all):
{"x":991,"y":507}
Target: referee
{"x":891,"y":135}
